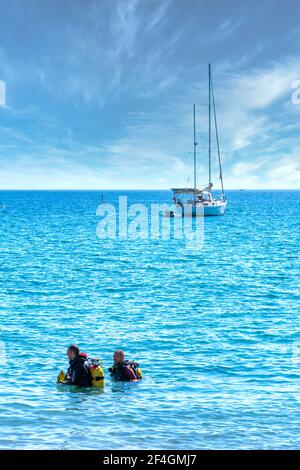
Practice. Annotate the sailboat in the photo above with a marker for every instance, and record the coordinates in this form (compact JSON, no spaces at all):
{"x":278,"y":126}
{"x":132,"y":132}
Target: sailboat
{"x":201,"y":201}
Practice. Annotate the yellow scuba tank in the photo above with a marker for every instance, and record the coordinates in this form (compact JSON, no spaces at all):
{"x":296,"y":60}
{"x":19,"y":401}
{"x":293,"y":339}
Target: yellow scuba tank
{"x":97,"y":373}
{"x":138,"y":373}
{"x":61,"y":377}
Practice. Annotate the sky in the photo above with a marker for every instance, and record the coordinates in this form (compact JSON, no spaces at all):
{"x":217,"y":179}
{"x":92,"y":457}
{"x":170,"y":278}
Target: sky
{"x":99,"y":94}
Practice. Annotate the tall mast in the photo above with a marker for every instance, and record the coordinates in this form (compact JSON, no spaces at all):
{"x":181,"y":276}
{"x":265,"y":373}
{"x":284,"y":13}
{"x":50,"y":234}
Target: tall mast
{"x":217,"y":137}
{"x":195,"y":152}
{"x":209,"y":127}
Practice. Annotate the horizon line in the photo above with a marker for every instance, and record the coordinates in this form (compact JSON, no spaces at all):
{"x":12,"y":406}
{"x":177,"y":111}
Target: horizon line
{"x":139,"y":189}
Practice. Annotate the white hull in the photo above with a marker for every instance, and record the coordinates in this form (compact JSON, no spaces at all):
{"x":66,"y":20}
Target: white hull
{"x":212,"y":208}
{"x":217,"y":209}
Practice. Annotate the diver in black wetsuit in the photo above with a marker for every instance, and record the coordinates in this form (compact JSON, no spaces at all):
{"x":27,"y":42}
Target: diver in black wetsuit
{"x":78,"y":373}
{"x":124,"y":371}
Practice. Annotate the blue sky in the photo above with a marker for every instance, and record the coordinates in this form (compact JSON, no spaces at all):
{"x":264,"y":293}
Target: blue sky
{"x":99,"y":94}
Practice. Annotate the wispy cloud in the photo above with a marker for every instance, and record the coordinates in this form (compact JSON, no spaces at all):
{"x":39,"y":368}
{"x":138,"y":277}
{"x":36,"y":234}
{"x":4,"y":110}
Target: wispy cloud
{"x":223,"y":31}
{"x":108,"y":104}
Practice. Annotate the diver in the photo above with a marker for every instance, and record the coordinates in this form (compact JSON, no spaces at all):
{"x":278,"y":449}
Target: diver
{"x":78,"y":372}
{"x":124,"y":371}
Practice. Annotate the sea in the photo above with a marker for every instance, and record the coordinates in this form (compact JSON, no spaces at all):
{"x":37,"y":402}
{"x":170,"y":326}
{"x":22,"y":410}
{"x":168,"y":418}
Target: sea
{"x":215,"y":330}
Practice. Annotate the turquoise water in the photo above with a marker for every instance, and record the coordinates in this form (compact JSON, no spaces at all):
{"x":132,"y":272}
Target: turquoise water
{"x":216,"y":331}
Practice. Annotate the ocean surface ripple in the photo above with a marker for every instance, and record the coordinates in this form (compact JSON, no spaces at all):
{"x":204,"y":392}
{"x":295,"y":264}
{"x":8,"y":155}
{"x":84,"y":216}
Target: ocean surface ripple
{"x":216,"y":331}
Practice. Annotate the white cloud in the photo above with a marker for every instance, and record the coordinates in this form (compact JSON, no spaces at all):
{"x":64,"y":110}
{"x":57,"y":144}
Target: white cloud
{"x":224,"y":30}
{"x":121,"y":59}
{"x":262,"y":88}
{"x":243,"y":169}
{"x":287,"y":172}
{"x":2,"y":93}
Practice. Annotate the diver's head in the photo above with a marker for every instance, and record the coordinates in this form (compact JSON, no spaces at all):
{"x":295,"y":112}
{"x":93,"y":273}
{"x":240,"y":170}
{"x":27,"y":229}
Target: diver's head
{"x":72,"y":352}
{"x":118,"y":356}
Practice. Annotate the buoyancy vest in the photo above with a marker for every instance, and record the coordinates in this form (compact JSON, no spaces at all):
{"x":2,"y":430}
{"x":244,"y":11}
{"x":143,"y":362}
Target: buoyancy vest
{"x":119,"y":371}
